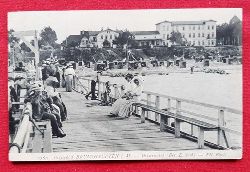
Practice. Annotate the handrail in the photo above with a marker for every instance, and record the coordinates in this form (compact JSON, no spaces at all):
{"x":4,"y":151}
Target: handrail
{"x":23,"y":129}
{"x":220,"y":109}
{"x":235,"y":111}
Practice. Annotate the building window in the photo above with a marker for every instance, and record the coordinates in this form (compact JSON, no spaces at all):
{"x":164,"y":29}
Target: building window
{"x":183,"y":35}
{"x":199,"y":35}
{"x":110,"y":36}
{"x":193,"y":35}
{"x":208,"y":27}
{"x":199,"y":43}
{"x":163,"y":43}
{"x":193,"y":42}
{"x":203,"y":43}
{"x":203,"y":35}
{"x":208,"y":36}
{"x":212,"y":35}
{"x":193,"y":27}
{"x":102,"y":36}
{"x":190,"y":35}
{"x":183,"y":28}
{"x":208,"y":42}
{"x":167,"y":36}
{"x":212,"y":42}
{"x":106,"y":37}
{"x":212,"y":27}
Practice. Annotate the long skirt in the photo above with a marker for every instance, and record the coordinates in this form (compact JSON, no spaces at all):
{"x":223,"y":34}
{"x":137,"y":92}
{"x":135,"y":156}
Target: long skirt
{"x":122,"y":107}
{"x":69,"y":82}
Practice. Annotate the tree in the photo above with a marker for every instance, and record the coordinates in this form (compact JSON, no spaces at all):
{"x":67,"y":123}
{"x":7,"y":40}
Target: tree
{"x":48,"y":36}
{"x":176,"y":38}
{"x":11,"y":37}
{"x":24,"y":47}
{"x":125,"y":38}
{"x":230,"y":34}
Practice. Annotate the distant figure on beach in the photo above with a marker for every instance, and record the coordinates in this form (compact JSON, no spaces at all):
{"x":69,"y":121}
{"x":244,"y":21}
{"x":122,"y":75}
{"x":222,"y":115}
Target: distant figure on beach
{"x":192,"y":69}
{"x":69,"y":76}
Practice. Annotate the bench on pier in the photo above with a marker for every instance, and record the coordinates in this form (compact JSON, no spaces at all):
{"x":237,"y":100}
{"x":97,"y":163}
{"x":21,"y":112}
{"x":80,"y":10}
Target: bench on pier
{"x":178,"y":118}
{"x":40,"y":138}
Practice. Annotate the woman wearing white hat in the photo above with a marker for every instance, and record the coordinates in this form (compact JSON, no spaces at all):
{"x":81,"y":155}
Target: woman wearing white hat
{"x":134,"y":96}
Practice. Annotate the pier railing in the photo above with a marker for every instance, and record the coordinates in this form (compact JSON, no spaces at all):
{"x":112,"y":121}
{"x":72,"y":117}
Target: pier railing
{"x":32,"y":136}
{"x":21,"y":139}
{"x":208,"y":113}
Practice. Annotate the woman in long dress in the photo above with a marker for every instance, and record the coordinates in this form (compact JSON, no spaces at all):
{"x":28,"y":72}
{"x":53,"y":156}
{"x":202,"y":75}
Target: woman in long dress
{"x":124,"y":107}
{"x":134,"y":97}
{"x":122,"y":100}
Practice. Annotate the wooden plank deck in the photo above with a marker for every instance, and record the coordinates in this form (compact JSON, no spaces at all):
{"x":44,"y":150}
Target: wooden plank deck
{"x":89,"y":128}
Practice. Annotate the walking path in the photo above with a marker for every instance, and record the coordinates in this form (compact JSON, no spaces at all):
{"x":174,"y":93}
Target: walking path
{"x":89,"y":128}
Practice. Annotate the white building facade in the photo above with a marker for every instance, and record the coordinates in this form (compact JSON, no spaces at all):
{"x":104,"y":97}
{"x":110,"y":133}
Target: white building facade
{"x":96,"y":38}
{"x":147,"y":38}
{"x":196,"y":33}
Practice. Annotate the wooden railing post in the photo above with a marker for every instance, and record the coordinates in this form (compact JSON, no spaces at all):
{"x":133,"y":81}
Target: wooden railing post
{"x":143,"y":116}
{"x":200,"y":138}
{"x":157,"y":105}
{"x":169,"y":109}
{"x":163,"y":122}
{"x":148,"y":103}
{"x":221,"y":123}
{"x":115,"y":91}
{"x":177,"y":122}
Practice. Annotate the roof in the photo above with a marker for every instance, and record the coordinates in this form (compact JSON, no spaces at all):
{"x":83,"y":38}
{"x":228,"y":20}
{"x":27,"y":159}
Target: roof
{"x":187,"y":22}
{"x":145,"y":32}
{"x":93,"y":33}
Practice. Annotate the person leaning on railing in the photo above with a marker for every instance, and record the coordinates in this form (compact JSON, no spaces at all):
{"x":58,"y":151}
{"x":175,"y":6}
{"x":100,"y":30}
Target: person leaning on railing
{"x":42,"y":109}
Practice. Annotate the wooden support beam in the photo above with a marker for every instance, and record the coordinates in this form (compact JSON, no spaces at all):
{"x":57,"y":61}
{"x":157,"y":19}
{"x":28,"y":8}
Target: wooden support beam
{"x":200,"y":138}
{"x":148,"y":103}
{"x":143,"y":116}
{"x":221,"y":122}
{"x":163,"y":122}
{"x":157,"y":105}
{"x":177,"y":128}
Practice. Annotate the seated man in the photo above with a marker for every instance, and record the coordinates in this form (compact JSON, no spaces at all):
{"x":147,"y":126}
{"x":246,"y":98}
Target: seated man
{"x":42,"y":109}
{"x":50,"y":88}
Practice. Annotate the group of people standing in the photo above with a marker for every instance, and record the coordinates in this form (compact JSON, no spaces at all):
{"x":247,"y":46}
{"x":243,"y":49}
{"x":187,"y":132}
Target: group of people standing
{"x":64,"y":74}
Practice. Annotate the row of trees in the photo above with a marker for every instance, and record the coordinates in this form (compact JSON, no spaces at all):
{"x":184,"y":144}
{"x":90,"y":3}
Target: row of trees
{"x":230,"y":33}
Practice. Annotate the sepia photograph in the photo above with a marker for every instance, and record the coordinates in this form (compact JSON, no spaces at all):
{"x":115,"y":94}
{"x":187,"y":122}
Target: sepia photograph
{"x":149,"y":84}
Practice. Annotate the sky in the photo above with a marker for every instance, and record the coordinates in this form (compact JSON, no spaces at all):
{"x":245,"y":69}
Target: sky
{"x":67,"y":23}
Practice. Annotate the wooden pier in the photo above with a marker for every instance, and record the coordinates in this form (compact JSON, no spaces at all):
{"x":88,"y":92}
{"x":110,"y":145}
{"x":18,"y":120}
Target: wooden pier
{"x":89,"y":128}
{"x":159,"y":123}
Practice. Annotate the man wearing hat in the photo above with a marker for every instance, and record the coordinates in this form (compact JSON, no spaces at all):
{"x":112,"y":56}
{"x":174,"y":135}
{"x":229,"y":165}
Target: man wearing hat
{"x":69,"y":76}
{"x":42,"y":108}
